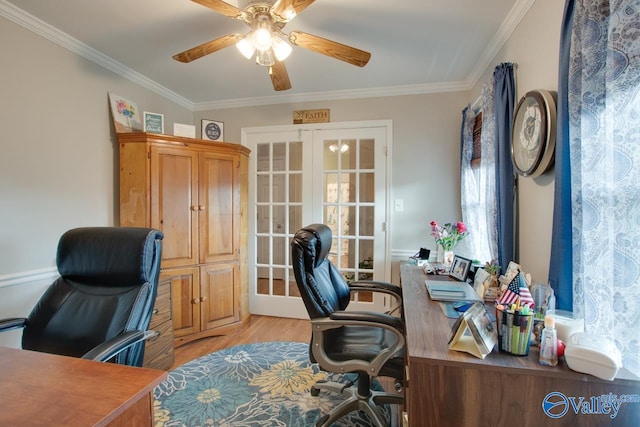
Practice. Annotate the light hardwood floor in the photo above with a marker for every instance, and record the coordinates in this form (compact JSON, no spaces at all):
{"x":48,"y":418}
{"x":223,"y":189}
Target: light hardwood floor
{"x":257,"y":329}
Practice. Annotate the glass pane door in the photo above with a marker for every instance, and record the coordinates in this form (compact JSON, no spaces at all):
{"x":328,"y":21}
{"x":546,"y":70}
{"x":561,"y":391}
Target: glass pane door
{"x":304,"y":176}
{"x":349,"y":206}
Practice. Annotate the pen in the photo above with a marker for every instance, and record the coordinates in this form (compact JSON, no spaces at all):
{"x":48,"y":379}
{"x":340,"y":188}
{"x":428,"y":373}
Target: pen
{"x":500,"y":321}
{"x":508,"y":330}
{"x":524,"y":326}
{"x":515,"y":334}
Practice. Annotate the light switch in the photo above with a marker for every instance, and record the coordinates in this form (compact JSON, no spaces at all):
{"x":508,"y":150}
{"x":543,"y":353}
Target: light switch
{"x":399,"y":205}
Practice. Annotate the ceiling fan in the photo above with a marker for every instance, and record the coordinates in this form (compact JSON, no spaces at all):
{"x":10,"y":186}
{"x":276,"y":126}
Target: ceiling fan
{"x":266,"y":39}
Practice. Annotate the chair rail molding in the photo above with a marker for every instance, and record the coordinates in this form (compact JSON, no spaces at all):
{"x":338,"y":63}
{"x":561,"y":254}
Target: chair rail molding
{"x":28,"y":276}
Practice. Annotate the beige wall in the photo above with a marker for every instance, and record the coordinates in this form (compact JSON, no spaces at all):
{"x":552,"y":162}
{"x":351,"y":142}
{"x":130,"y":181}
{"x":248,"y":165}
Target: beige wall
{"x":58,"y":165}
{"x":426,"y":151}
{"x":534,"y":47}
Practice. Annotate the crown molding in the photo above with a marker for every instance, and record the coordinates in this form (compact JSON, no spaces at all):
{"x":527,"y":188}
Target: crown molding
{"x":54,"y":35}
{"x":335,"y":95}
{"x":516,"y":14}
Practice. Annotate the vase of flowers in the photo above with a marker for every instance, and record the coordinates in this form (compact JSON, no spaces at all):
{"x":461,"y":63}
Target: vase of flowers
{"x":447,"y":237}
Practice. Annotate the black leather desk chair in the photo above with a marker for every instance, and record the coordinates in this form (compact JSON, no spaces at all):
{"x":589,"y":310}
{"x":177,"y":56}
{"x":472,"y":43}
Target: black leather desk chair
{"x":101,"y":304}
{"x":370,"y":344}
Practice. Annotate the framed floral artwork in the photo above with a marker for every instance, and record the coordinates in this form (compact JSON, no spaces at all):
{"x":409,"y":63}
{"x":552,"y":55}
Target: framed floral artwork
{"x":125,"y":114}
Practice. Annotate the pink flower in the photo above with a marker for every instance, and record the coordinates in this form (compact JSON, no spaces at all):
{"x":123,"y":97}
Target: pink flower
{"x":449,"y":235}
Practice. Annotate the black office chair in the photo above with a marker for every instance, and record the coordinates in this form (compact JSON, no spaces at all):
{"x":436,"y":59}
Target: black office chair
{"x":100,"y":306}
{"x":370,"y":344}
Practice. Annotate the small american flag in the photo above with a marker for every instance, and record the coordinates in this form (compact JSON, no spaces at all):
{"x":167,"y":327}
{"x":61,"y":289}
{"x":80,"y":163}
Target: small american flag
{"x":517,"y":289}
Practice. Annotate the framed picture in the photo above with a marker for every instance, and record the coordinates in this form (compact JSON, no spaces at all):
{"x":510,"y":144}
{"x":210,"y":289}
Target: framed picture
{"x":212,"y":130}
{"x":460,"y":268}
{"x":153,"y":122}
{"x":125,"y":114}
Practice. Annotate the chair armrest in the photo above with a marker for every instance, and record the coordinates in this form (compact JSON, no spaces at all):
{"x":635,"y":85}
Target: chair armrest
{"x":382,"y":287}
{"x":12,"y":323}
{"x":368,"y":317}
{"x":115,"y":345}
{"x":376,"y":286}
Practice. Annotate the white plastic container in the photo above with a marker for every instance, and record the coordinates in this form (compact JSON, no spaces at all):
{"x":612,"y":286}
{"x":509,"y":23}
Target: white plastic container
{"x":594,"y":355}
{"x":567,"y":324}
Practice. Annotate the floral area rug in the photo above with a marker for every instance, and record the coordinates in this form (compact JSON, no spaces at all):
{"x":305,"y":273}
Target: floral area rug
{"x":261,"y":385}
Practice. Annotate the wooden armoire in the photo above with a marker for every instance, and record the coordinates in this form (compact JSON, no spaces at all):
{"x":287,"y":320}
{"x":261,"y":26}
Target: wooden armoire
{"x":196,"y":193}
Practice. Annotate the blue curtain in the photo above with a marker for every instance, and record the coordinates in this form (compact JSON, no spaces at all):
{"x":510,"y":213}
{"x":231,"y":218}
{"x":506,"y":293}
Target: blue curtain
{"x":561,"y":263}
{"x":504,"y":92}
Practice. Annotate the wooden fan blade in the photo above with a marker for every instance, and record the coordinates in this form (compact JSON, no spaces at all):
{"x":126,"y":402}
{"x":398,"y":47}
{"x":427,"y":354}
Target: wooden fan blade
{"x":279,"y":76}
{"x":222,"y":7}
{"x":280,"y":8}
{"x":330,"y":48}
{"x":207,"y":48}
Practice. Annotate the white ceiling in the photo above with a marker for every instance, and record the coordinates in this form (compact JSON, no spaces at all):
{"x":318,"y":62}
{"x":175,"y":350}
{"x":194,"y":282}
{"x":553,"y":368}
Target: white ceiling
{"x":417,"y":46}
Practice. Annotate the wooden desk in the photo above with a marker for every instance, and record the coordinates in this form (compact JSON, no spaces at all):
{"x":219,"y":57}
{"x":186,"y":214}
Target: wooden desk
{"x":40,"y":389}
{"x":450,"y":388}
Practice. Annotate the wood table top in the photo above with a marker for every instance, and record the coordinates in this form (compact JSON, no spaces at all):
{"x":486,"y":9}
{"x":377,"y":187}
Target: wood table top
{"x":428,"y":331}
{"x":46,"y":389}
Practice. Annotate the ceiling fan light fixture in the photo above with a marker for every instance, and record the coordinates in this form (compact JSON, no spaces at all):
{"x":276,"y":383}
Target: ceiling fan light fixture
{"x":265,"y":58}
{"x":246,"y":46}
{"x":262,"y":39}
{"x":289,"y":13}
{"x":281,"y":49}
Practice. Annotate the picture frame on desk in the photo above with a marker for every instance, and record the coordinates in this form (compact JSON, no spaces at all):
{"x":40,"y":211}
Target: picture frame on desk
{"x":212,"y":130}
{"x":460,"y":268}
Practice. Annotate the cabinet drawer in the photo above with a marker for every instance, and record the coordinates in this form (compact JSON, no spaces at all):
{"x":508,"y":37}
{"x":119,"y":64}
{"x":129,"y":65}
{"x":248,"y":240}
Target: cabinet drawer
{"x":162,"y":308}
{"x":158,"y":352}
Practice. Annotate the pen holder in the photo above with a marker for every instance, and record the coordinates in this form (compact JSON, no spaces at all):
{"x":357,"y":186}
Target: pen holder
{"x":514,"y":331}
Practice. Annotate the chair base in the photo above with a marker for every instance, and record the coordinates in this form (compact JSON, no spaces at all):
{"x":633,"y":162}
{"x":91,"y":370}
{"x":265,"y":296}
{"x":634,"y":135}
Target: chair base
{"x":354,"y":401}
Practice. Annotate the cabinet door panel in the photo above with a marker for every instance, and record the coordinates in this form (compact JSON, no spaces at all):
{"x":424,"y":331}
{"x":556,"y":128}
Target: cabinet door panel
{"x":220,"y":295}
{"x":185,"y":299}
{"x":220,"y":205}
{"x":174,"y":204}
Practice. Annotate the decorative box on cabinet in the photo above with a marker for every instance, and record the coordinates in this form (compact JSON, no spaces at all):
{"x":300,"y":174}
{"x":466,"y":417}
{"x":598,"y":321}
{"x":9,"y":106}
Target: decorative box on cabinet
{"x":195,"y":191}
{"x":158,"y":351}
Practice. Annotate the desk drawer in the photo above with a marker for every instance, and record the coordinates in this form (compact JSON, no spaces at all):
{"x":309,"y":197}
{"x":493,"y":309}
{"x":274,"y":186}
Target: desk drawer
{"x":158,"y":352}
{"x":162,"y":308}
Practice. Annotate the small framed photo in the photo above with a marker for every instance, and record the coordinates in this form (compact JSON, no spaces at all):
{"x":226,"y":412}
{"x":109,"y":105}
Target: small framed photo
{"x":460,"y":268}
{"x":153,"y":122}
{"x":212,"y":130}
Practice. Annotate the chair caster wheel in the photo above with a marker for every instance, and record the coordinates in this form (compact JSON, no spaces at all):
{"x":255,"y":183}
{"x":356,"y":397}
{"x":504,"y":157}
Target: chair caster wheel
{"x":315,"y":391}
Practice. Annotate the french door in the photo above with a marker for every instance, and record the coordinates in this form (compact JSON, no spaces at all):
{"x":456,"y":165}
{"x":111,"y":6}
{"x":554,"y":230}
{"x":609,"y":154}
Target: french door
{"x":299,"y":175}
